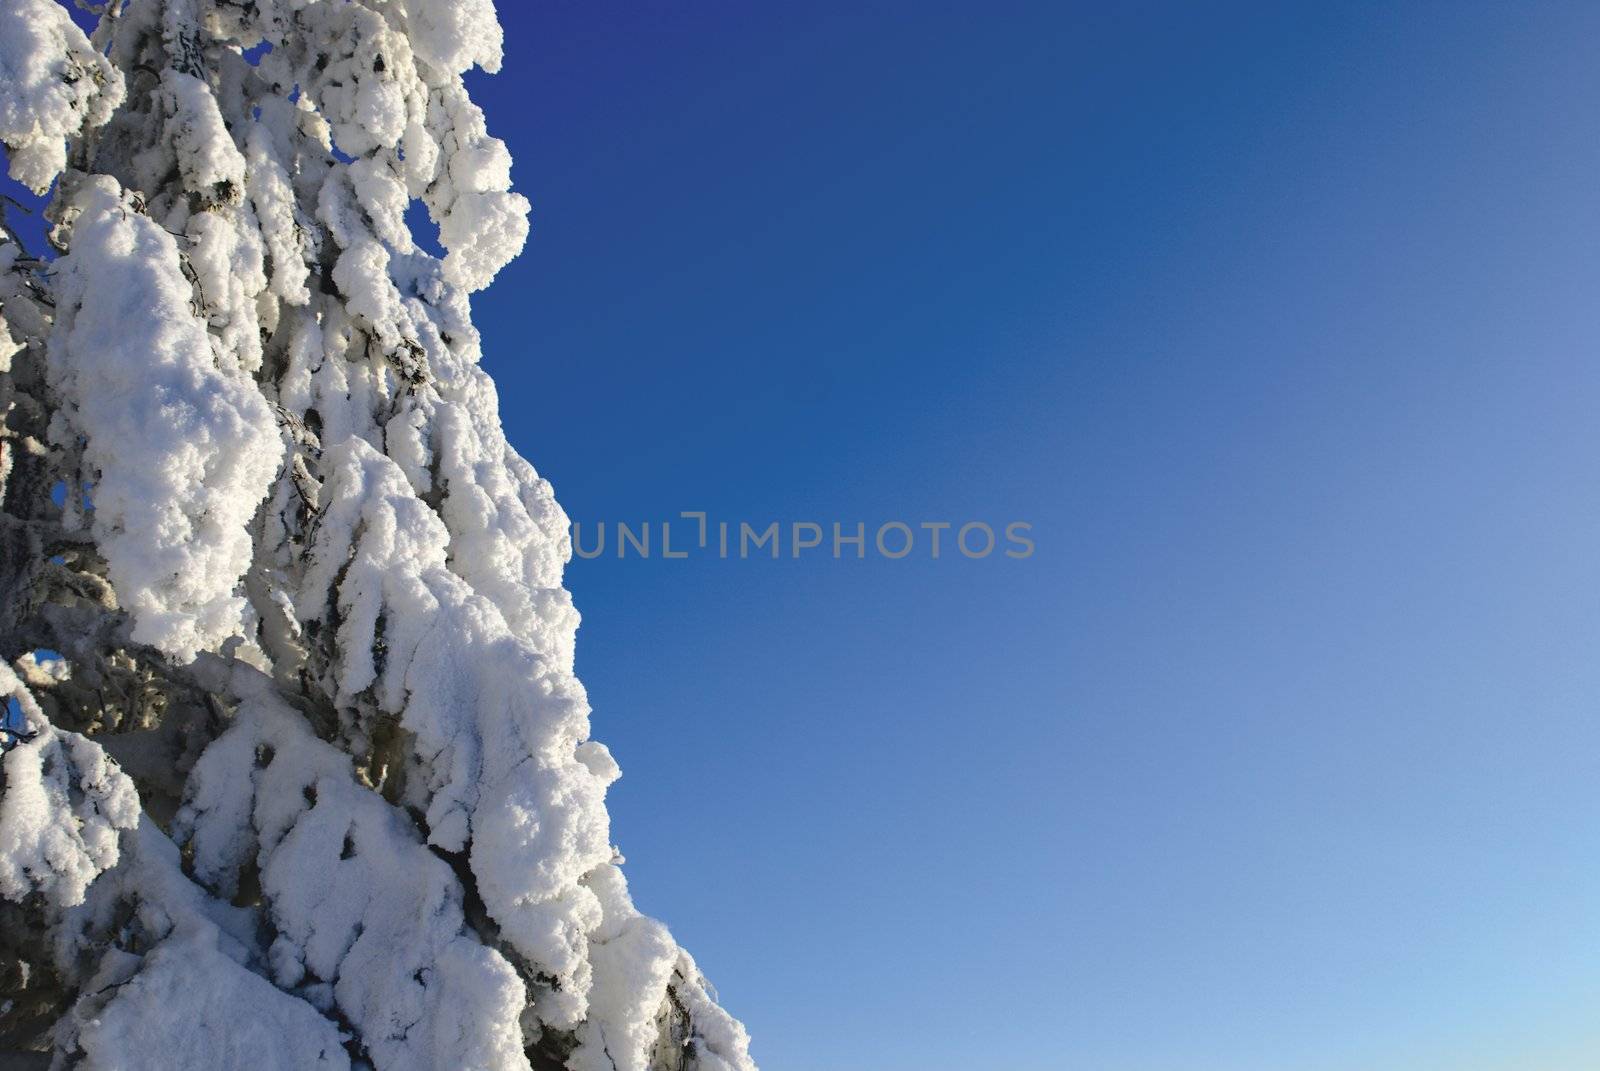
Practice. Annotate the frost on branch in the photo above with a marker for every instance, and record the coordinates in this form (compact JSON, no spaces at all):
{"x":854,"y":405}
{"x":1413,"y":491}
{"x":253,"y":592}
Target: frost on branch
{"x":311,"y":782}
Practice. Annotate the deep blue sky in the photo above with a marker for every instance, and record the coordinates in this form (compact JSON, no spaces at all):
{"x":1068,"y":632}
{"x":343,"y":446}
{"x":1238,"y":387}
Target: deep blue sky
{"x":1279,"y":324}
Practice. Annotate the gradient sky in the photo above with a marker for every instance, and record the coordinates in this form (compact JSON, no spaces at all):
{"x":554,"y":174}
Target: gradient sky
{"x":1278,"y":323}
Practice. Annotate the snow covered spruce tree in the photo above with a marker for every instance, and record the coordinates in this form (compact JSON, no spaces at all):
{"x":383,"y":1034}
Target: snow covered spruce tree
{"x":297,"y":773}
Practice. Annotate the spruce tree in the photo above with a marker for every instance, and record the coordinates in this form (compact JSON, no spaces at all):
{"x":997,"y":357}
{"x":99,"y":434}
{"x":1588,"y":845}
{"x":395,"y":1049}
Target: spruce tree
{"x":297,"y":773}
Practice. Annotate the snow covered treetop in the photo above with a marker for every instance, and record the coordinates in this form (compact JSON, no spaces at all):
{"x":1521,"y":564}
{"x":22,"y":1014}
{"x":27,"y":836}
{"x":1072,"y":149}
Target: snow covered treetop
{"x":306,"y":777}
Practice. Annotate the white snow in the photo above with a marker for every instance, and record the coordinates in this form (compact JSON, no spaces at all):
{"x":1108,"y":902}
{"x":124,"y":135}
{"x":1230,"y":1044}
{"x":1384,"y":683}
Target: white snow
{"x":55,"y":85}
{"x":357,"y":902}
{"x":497,"y":726}
{"x":481,"y":224}
{"x":63,"y":804}
{"x":194,"y":995}
{"x":208,"y":161}
{"x":179,"y":451}
{"x":453,"y":37}
{"x":190,"y":1006}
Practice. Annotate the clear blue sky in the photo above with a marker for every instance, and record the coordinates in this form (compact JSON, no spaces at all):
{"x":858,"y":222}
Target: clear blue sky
{"x":1279,"y":323}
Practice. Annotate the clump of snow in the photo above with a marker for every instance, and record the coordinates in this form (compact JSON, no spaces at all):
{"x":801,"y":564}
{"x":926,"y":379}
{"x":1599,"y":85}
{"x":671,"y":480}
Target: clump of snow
{"x":227,"y":262}
{"x":633,"y":958}
{"x":173,"y":978}
{"x":53,"y":84}
{"x":272,"y":196}
{"x":367,"y":919}
{"x":62,"y":803}
{"x":482,"y":225}
{"x":208,"y":161}
{"x":636,"y":962}
{"x":502,"y":734}
{"x":497,"y":727}
{"x":189,"y":1005}
{"x":453,"y":37}
{"x":367,"y":87}
{"x":181,"y":451}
